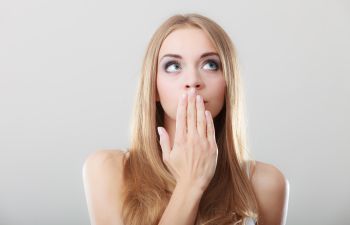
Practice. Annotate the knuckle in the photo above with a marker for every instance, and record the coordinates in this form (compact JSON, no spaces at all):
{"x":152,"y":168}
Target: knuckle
{"x":205,"y":145}
{"x":194,"y":135}
{"x":191,"y":133}
{"x":179,"y":140}
{"x":177,"y":143}
{"x":213,"y":151}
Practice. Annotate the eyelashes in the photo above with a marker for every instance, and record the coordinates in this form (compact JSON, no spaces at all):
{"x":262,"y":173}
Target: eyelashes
{"x":175,"y":62}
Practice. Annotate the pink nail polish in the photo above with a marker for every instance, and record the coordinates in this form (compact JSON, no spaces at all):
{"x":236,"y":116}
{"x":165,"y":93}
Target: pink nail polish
{"x":159,"y":131}
{"x":192,"y":92}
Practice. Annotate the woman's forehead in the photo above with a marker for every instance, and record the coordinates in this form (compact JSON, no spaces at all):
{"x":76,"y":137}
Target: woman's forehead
{"x":186,"y":42}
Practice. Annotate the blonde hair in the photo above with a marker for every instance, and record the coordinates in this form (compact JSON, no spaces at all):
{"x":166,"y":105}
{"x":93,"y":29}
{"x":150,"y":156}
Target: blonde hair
{"x":229,"y":198}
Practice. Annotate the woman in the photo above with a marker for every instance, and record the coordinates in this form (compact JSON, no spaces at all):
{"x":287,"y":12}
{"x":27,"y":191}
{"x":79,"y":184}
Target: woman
{"x":196,"y":169}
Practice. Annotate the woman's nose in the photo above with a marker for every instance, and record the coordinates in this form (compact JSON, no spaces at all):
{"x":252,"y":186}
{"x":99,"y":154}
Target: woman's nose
{"x":193,"y":81}
{"x":195,"y":86}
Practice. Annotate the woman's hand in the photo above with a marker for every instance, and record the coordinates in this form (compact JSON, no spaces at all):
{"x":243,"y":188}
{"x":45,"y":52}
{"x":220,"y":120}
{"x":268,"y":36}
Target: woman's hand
{"x":193,"y":158}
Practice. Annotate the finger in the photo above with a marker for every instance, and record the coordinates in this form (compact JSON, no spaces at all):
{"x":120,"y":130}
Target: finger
{"x":210,"y":127}
{"x":201,"y":120}
{"x":181,"y":118}
{"x":191,"y":113}
{"x":165,"y":146}
{"x":164,"y":143}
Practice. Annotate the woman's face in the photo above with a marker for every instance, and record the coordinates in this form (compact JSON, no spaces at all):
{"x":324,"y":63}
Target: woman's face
{"x":188,"y":60}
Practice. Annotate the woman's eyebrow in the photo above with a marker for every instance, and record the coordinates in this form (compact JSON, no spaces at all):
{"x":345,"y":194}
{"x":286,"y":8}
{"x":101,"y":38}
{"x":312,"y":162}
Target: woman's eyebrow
{"x":179,"y":56}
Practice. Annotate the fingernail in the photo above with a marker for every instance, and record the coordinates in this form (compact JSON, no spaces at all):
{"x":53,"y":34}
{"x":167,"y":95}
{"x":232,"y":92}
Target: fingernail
{"x":192,"y":91}
{"x":199,"y":98}
{"x":159,"y":131}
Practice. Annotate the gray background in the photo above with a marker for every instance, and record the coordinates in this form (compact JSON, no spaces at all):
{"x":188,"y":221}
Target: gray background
{"x":68,"y":75}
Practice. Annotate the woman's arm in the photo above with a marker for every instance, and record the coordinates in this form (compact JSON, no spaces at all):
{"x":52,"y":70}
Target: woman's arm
{"x":183,"y":205}
{"x":272,"y":191}
{"x":103,"y":182}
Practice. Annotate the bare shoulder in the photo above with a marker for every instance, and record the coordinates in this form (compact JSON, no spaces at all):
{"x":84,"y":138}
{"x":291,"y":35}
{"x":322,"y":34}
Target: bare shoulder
{"x":104,"y":164}
{"x":103,"y":185}
{"x":272,"y":191}
{"x":107,"y":157}
{"x":266,"y":175}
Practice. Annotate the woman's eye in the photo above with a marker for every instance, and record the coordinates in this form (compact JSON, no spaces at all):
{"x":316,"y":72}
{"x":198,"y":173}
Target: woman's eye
{"x":212,"y":65}
{"x":172,"y":65}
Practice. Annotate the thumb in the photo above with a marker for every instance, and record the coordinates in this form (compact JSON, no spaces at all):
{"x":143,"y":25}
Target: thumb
{"x":164,"y":143}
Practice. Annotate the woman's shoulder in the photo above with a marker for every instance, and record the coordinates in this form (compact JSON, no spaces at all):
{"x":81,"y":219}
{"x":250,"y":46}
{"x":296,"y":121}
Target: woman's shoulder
{"x":106,"y":158}
{"x":103,"y":185}
{"x":266,"y":174}
{"x":107,"y":153}
{"x":272,"y":191}
{"x":105,"y":164}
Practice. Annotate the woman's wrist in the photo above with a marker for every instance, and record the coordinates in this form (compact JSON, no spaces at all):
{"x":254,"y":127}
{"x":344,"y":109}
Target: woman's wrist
{"x":190,"y":189}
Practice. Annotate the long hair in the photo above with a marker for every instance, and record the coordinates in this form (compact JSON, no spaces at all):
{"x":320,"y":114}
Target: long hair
{"x":229,"y":197}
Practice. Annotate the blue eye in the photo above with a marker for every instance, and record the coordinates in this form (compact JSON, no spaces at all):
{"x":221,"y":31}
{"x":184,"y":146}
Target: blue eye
{"x":171,"y":63}
{"x":175,"y":65}
{"x":211,"y":63}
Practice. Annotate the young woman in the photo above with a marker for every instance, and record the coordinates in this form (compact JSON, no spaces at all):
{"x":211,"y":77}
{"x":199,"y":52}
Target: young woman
{"x":196,"y":168}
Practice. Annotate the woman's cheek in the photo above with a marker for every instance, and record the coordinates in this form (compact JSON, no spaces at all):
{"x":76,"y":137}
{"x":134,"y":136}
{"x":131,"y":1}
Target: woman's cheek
{"x":173,"y":104}
{"x":168,"y":103}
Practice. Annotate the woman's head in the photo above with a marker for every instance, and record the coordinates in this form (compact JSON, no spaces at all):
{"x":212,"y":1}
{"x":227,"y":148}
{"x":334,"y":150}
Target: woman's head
{"x":188,"y":60}
{"x":189,"y":36}
{"x":163,"y":79}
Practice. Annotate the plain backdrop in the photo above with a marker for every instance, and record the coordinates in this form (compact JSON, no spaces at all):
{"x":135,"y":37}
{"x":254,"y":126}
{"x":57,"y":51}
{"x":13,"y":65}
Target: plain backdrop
{"x":68,"y":76}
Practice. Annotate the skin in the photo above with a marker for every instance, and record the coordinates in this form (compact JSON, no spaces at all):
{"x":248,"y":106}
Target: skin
{"x":103,"y":170}
{"x":203,"y":75}
{"x":192,"y":160}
